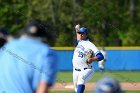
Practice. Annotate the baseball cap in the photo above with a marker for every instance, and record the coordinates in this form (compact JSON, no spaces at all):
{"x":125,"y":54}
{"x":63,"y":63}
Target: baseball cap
{"x":82,"y":30}
{"x":35,"y":28}
{"x":108,"y":85}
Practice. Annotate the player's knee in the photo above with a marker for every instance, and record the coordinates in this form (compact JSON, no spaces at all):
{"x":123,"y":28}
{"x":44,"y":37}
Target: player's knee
{"x":81,"y":80}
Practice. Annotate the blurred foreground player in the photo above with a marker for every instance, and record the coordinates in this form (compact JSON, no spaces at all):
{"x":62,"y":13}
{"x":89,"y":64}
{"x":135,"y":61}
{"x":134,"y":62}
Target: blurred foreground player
{"x":108,"y":85}
{"x":27,"y":63}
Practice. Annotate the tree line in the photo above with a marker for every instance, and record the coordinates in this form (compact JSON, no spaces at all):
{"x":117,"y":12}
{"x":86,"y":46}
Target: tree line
{"x":110,"y":22}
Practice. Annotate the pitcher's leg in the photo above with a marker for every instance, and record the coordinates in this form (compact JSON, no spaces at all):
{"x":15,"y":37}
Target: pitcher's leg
{"x":75,"y":79}
{"x":81,"y":88}
{"x":83,"y":77}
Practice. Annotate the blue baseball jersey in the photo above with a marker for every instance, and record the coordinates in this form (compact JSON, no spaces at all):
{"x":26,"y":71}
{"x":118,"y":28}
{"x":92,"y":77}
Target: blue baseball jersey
{"x":23,"y":63}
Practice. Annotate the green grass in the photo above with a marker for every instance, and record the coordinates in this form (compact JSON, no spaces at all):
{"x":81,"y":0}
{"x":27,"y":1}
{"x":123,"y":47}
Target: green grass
{"x":89,"y":92}
{"x":122,"y":76}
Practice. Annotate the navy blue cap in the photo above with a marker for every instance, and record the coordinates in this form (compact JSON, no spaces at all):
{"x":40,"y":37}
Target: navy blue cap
{"x":35,"y":28}
{"x":82,"y":30}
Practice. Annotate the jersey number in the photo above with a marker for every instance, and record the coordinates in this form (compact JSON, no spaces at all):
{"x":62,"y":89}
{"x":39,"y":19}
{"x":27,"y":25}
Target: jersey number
{"x":81,"y":54}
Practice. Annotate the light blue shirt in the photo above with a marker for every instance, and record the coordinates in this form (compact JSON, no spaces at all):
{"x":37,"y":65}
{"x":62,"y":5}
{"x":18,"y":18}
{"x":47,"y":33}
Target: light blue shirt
{"x":23,"y":63}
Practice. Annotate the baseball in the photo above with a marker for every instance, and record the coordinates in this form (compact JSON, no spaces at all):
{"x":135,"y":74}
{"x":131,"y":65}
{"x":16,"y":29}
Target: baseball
{"x":77,"y":26}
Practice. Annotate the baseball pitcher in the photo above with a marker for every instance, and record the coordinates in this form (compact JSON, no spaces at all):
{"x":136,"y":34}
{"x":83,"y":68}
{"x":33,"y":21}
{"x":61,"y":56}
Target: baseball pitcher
{"x":84,"y":54}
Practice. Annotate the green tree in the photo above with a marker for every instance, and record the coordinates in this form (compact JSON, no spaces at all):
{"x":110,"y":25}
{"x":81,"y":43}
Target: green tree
{"x":110,"y":23}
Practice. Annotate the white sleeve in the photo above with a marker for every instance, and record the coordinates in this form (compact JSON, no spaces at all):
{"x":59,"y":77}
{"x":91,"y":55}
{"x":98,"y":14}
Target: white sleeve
{"x":93,"y":48}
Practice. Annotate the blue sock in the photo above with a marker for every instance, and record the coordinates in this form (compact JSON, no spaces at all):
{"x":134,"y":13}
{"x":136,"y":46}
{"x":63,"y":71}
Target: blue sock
{"x":81,"y":89}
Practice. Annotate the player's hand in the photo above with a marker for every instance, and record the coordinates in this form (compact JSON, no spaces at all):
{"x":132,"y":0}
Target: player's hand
{"x":77,"y":27}
{"x":89,"y":61}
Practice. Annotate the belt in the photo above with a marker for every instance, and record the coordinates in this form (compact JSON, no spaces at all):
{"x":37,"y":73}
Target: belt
{"x":84,"y":69}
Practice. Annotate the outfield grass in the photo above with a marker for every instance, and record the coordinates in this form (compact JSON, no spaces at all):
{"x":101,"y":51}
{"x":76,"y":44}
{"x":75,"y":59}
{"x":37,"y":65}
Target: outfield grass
{"x":122,"y":76}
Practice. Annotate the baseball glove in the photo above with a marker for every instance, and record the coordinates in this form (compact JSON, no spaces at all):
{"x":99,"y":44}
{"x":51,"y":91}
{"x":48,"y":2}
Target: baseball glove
{"x":89,"y":53}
